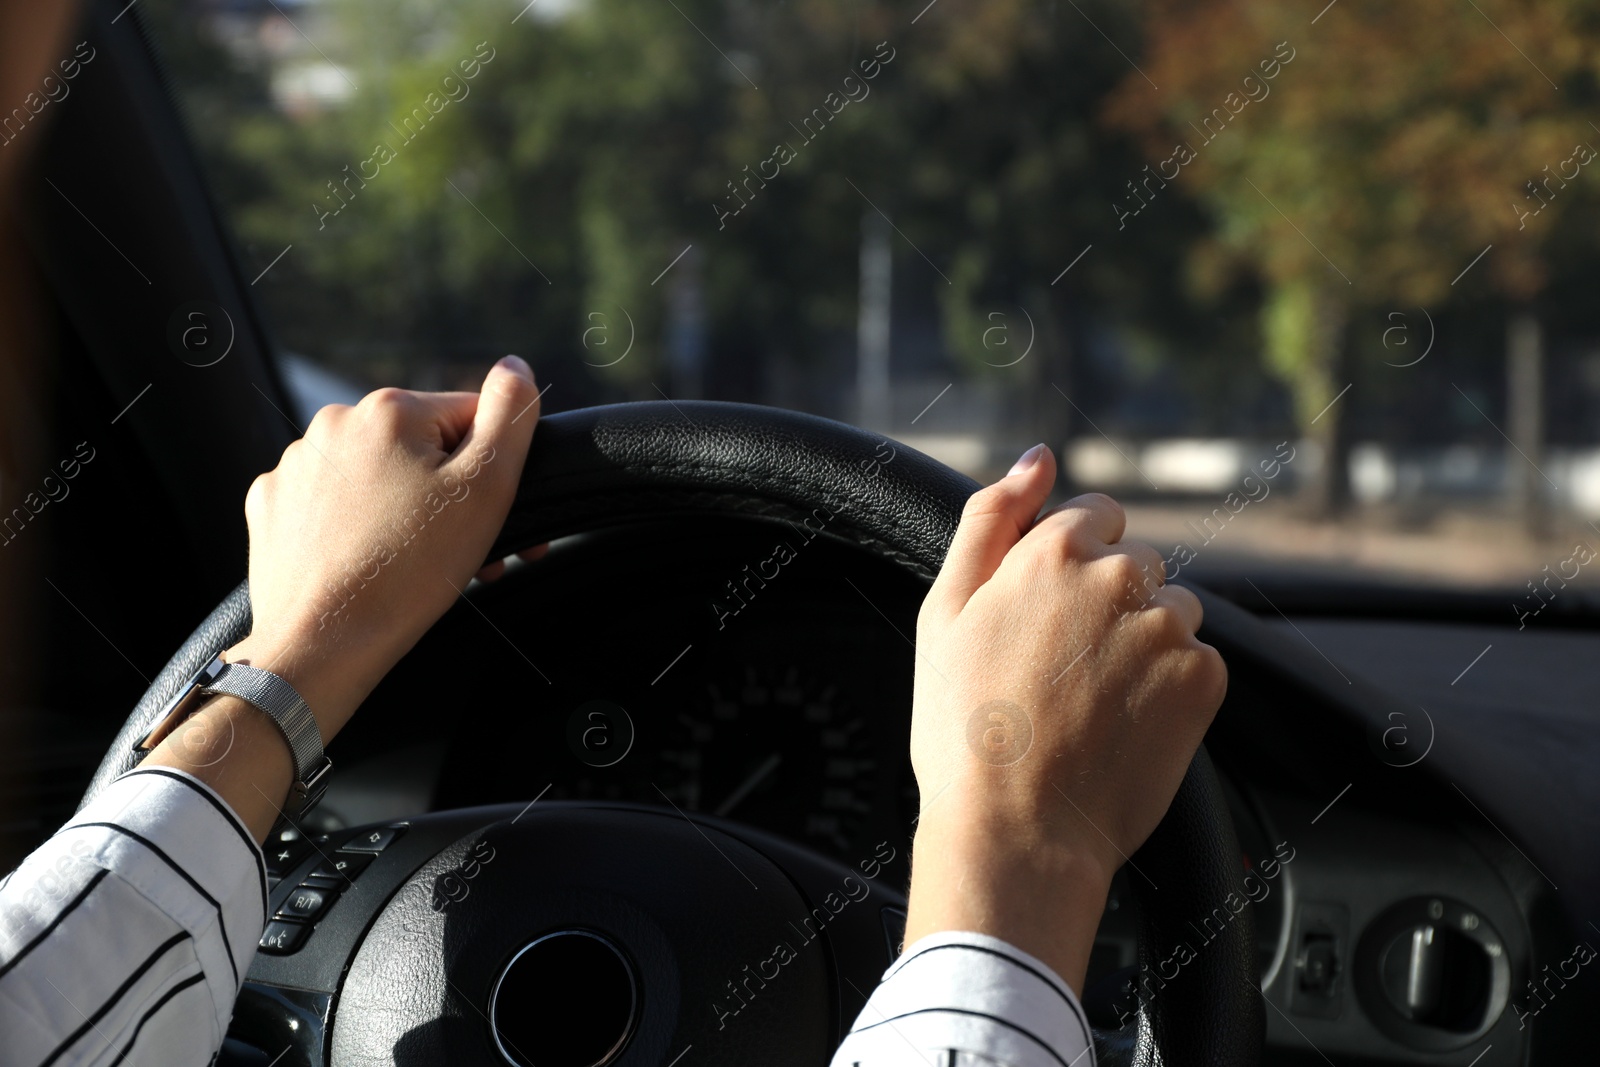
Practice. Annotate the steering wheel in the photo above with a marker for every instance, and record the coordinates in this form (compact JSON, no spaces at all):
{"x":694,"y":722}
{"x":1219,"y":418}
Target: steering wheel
{"x":570,"y":934}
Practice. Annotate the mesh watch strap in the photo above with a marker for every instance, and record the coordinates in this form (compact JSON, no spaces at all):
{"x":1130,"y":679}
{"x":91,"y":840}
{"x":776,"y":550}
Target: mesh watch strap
{"x":278,"y":699}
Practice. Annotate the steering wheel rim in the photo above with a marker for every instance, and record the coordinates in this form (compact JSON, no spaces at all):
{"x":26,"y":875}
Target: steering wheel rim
{"x":611,"y":465}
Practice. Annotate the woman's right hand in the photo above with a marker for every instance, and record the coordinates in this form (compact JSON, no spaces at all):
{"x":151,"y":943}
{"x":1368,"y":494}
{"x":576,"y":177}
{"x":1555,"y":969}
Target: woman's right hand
{"x":371,"y":526}
{"x":1060,"y":696}
{"x":365,"y":533}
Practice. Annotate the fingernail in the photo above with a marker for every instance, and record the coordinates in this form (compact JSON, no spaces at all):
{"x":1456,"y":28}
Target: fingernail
{"x":1027,"y":461}
{"x":518,"y":366}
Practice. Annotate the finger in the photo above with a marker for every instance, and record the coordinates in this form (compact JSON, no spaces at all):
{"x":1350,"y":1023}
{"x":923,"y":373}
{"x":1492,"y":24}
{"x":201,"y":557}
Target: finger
{"x":1182,"y":603}
{"x":994,"y":520}
{"x":507,"y":410}
{"x":327,"y":418}
{"x":434,"y":421}
{"x":492,"y":571}
{"x":1093,"y":513}
{"x":452,"y":413}
{"x":1152,"y":568}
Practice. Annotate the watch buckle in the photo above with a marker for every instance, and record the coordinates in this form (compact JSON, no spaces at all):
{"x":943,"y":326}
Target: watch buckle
{"x":305,"y":795}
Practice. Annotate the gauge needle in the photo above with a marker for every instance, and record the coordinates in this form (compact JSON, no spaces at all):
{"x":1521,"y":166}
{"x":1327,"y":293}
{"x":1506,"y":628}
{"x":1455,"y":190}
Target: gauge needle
{"x":759,"y":775}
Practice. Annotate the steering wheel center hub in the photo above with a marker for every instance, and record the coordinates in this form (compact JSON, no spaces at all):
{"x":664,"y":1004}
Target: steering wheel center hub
{"x":587,"y":936}
{"x":568,"y":999}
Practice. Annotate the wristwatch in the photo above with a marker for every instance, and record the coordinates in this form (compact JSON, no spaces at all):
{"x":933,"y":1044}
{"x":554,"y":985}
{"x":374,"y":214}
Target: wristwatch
{"x":269,"y":693}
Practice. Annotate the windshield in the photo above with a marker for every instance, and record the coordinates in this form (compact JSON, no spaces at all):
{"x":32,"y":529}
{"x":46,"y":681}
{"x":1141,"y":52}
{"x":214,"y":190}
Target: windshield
{"x":1311,"y":289}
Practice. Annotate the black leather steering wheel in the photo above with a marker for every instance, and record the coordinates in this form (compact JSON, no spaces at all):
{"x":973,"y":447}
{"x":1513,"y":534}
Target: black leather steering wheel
{"x":406,"y":979}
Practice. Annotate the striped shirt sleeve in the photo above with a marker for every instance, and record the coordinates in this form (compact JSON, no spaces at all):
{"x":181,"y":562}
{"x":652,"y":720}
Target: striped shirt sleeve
{"x":968,"y":1000}
{"x":126,"y":937}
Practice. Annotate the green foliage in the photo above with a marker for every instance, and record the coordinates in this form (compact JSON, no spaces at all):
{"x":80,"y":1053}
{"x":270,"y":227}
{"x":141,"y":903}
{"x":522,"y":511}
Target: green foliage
{"x":1393,"y":147}
{"x":1289,"y":329}
{"x":596,"y":145}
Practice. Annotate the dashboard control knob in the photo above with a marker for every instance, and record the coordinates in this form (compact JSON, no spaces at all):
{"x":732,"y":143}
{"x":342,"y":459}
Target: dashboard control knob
{"x":1438,"y":977}
{"x":1432,"y":973}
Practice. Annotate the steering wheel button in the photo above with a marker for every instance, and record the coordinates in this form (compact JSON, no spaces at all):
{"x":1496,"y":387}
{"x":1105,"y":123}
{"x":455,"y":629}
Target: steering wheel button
{"x":284,"y":852}
{"x":306,"y":902}
{"x":373,"y":840}
{"x":343,"y":865}
{"x":281,"y":938}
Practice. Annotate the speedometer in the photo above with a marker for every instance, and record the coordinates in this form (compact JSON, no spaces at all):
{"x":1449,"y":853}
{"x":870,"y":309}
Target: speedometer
{"x":777,"y":749}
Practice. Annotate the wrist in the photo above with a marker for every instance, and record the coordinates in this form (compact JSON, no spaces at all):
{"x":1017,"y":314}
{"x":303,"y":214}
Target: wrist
{"x":1010,"y":877}
{"x":988,"y":811}
{"x":248,"y":738}
{"x":237,"y":751}
{"x":331,"y":686}
{"x":1025,"y":850}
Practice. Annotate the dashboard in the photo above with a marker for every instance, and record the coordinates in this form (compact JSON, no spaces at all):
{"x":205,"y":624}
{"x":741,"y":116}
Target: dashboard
{"x":753,"y":731}
{"x":790,"y":713}
{"x":672,"y":665}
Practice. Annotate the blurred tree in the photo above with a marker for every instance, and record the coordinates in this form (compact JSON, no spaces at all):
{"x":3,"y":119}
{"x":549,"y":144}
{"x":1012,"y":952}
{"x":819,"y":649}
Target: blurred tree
{"x":1362,"y":157}
{"x":991,"y":162}
{"x":539,"y":212}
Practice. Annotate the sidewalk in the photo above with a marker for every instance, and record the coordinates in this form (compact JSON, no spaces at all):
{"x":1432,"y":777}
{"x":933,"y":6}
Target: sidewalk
{"x":1458,"y":549}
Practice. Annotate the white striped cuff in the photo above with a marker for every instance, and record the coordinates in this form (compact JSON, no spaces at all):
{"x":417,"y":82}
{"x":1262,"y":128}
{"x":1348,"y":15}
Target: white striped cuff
{"x":956,"y":998}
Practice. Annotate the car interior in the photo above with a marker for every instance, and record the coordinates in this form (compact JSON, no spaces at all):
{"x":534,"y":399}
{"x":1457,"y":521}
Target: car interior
{"x":624,"y":733}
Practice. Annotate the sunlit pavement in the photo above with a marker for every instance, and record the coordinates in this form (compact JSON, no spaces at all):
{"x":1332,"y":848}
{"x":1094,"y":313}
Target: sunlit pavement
{"x":1453,"y":548}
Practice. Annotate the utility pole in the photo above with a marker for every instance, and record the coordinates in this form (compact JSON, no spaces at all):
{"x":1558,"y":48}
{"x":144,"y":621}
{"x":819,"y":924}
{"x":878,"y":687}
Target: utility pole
{"x":872,"y":324}
{"x":686,"y":328}
{"x":1525,"y":421}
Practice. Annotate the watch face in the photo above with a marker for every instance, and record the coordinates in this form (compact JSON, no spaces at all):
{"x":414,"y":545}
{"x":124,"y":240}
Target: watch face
{"x":176,"y":709}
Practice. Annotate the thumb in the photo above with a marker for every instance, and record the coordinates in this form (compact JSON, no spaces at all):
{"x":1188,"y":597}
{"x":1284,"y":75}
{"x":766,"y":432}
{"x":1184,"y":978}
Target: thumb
{"x":995,"y":518}
{"x":508,"y":409}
